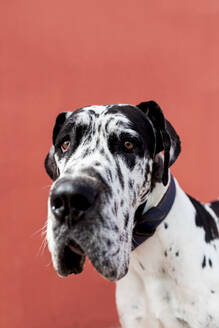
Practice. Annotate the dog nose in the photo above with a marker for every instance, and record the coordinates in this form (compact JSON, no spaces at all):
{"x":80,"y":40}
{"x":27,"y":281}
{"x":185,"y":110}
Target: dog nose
{"x":72,"y":198}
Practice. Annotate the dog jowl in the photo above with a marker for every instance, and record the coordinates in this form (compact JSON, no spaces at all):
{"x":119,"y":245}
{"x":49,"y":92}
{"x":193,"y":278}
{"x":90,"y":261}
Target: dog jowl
{"x":103,"y":162}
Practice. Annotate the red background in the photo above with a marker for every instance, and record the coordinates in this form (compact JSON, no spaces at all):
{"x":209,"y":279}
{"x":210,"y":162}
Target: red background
{"x":59,"y":55}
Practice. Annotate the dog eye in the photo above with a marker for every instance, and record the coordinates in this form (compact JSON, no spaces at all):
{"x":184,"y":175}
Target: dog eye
{"x":65,"y":145}
{"x":128,"y":145}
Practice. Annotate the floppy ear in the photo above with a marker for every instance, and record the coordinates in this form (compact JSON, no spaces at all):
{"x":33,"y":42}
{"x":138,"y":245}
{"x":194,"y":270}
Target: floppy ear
{"x":166,"y":137}
{"x":50,"y":163}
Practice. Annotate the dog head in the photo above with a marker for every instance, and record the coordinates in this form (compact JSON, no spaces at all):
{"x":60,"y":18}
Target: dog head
{"x":102,"y":163}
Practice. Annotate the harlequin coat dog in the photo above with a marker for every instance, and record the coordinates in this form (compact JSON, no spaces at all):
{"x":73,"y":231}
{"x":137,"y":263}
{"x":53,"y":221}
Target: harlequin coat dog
{"x":115,"y":201}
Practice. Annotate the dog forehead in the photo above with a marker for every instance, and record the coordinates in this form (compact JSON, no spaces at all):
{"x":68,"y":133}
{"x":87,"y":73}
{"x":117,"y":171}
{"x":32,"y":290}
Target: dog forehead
{"x":123,"y":115}
{"x":101,"y":111}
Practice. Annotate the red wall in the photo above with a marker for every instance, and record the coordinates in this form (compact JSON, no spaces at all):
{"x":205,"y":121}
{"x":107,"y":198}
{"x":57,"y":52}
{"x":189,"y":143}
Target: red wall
{"x":58,"y":55}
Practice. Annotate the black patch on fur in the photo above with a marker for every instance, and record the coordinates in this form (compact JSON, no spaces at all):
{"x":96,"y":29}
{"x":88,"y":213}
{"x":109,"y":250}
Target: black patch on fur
{"x":106,"y":263}
{"x":112,"y":143}
{"x":144,"y":194}
{"x":134,"y":199}
{"x":165,"y":253}
{"x":51,"y":167}
{"x":80,"y":131}
{"x":58,"y":125}
{"x":102,"y":151}
{"x":109,"y":242}
{"x":165,"y":225}
{"x":126,"y":219}
{"x":94,"y":113}
{"x":130,"y":160}
{"x":116,"y":252}
{"x":204,"y":220}
{"x":97,"y":163}
{"x":115,"y":208}
{"x":215,"y":207}
{"x":89,"y":151}
{"x":74,"y":133}
{"x":131,"y":183}
{"x":97,"y":143}
{"x":142,"y":266}
{"x":115,"y":228}
{"x":177,"y":253}
{"x":84,"y":154}
{"x":139,"y":212}
{"x":113,"y":273}
{"x":204,"y":262}
{"x":89,"y":137}
{"x":210,"y":263}
{"x":119,"y":174}
{"x":183,"y":323}
{"x":157,"y":172}
{"x":147,"y":171}
{"x":109,"y":174}
{"x":116,"y":147}
{"x":138,"y":123}
{"x":101,"y":218}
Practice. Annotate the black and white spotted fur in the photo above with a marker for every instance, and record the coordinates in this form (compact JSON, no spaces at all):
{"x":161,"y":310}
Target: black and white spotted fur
{"x":172,"y":279}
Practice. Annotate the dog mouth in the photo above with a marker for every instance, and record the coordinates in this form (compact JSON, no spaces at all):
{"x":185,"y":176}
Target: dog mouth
{"x":71,"y":259}
{"x":74,"y":247}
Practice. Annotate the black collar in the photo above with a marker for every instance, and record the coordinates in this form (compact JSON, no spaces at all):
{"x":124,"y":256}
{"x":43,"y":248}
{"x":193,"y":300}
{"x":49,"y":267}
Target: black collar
{"x":147,"y":223}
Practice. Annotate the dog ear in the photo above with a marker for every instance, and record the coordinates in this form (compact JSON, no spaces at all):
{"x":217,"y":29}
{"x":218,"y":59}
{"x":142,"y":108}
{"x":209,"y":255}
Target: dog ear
{"x":167,"y":139}
{"x":50,"y":163}
{"x":60,"y":120}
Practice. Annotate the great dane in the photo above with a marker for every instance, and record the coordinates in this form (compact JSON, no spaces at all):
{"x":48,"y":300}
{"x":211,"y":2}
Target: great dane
{"x":114,"y":200}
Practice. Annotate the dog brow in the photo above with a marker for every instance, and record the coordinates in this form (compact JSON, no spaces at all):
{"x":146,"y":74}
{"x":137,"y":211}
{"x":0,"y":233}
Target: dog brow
{"x":120,"y":125}
{"x":83,"y":117}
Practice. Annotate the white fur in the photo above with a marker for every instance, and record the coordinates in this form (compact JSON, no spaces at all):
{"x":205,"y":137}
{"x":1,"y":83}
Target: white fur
{"x":169,"y":291}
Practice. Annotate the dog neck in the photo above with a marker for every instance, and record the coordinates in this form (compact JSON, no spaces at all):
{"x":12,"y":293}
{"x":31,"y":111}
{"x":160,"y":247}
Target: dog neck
{"x":156,"y":194}
{"x":154,"y":212}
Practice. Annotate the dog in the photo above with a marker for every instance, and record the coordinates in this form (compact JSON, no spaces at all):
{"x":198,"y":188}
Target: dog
{"x":114,"y":200}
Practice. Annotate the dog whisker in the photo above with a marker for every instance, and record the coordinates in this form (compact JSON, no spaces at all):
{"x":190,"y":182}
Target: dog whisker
{"x":49,"y":264}
{"x":46,"y":187}
{"x":42,"y":247}
{"x":41,"y":230}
